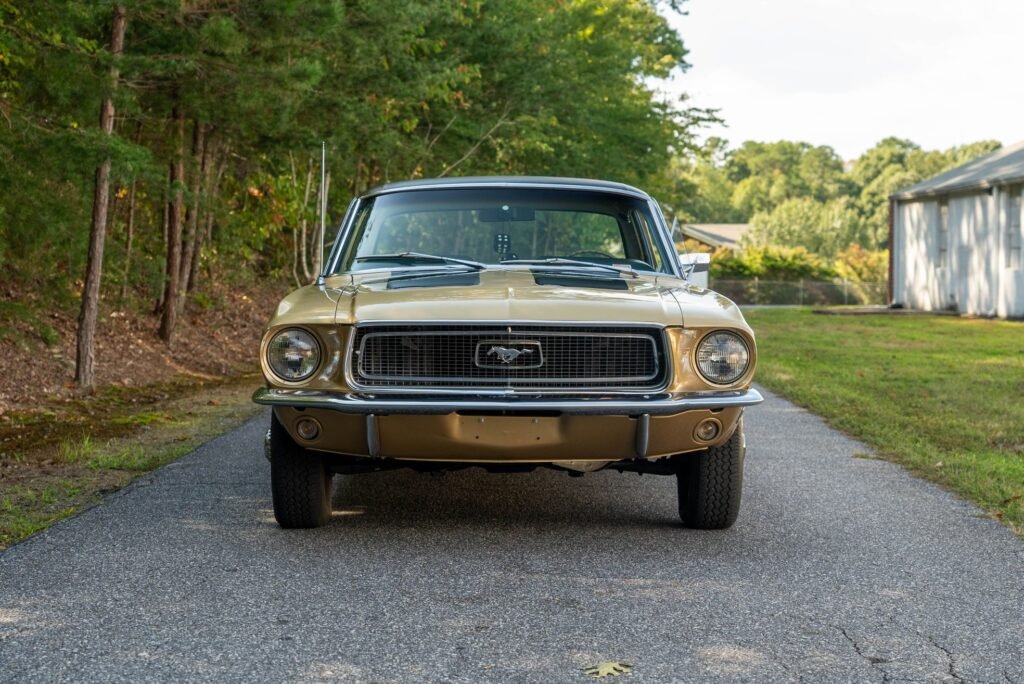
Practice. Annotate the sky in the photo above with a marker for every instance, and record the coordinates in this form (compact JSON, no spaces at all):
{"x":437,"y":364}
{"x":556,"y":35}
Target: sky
{"x":847,"y":73}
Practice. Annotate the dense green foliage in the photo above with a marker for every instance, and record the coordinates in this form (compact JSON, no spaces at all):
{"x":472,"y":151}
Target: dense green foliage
{"x":938,"y":394}
{"x":770,"y":263}
{"x":220,"y":106}
{"x":798,"y":195}
{"x":240,"y":94}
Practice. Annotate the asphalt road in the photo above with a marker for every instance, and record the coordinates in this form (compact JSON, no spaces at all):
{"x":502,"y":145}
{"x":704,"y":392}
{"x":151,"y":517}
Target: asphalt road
{"x":839,"y":569}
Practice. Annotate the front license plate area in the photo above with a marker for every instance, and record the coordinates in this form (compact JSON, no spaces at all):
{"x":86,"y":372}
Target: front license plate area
{"x":507,"y":431}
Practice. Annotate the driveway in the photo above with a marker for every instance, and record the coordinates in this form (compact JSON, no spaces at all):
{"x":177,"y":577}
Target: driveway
{"x":839,"y":569}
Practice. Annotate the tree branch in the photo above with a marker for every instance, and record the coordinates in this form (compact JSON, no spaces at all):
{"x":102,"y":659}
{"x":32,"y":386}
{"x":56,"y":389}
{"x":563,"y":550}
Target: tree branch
{"x":486,"y":136}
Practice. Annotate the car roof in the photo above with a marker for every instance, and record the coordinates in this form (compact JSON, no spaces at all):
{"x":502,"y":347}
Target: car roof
{"x":508,"y":182}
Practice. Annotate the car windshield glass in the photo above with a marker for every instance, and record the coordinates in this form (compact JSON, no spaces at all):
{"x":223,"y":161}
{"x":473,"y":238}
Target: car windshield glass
{"x":495,"y":225}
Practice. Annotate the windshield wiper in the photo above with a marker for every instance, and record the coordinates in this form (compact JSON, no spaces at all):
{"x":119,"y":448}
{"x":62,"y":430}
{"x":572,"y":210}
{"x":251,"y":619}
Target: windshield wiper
{"x":417,"y":256}
{"x":560,"y":261}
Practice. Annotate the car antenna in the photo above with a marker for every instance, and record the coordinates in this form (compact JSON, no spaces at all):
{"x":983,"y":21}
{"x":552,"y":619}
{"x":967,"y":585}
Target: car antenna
{"x":323,"y":205}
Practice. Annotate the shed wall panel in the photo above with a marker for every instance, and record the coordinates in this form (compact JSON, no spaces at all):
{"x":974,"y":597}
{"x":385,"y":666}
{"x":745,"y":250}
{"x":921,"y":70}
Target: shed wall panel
{"x":973,"y":251}
{"x":918,"y":284}
{"x":1011,"y":290}
{"x":971,"y":275}
{"x":1013,"y":295}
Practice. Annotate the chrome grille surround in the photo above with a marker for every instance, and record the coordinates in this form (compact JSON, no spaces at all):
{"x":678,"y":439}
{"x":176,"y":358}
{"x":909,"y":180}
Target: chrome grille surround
{"x":410,"y":357}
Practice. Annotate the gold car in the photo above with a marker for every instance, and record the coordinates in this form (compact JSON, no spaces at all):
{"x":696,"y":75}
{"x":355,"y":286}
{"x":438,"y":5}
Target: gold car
{"x":509,"y":324}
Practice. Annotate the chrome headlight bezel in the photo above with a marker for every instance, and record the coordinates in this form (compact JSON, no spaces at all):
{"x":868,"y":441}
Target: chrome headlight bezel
{"x":722,"y":380}
{"x":310,"y":348}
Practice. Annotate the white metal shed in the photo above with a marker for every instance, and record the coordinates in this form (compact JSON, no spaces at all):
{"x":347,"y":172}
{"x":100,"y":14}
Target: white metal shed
{"x":955,"y":239}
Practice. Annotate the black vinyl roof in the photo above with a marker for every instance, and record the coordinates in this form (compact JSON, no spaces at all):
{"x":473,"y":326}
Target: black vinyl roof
{"x":508,"y":182}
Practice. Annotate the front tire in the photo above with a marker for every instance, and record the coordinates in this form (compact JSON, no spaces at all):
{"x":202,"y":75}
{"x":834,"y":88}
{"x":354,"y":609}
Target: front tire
{"x":300,"y":482}
{"x":710,"y":485}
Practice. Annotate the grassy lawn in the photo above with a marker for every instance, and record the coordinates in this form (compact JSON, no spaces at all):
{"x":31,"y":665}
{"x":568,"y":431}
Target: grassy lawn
{"x":941,"y":395}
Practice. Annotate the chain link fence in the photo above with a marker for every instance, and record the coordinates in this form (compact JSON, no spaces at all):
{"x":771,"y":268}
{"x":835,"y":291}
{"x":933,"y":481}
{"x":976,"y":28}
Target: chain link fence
{"x":803,"y":292}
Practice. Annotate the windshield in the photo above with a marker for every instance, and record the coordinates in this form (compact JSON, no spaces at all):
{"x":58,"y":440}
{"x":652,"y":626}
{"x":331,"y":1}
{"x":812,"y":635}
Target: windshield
{"x":502,"y":225}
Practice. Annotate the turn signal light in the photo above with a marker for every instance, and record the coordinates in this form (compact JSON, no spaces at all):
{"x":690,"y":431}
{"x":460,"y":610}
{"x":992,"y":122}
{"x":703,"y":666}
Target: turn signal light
{"x":707,"y":430}
{"x":307,"y":428}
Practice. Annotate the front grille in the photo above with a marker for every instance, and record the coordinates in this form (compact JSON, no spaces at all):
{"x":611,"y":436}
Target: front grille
{"x":509,"y":356}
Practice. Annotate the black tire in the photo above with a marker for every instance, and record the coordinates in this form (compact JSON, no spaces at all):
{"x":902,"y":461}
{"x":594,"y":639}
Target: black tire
{"x":711,"y":485}
{"x":300,"y":483}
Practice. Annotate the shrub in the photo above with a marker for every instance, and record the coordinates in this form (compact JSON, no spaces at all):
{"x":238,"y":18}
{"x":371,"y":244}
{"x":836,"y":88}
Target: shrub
{"x":770,"y":263}
{"x":862,"y":265}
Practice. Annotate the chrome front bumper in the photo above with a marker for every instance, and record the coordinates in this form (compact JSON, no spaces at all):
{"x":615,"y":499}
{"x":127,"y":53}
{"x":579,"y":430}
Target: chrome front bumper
{"x":617,"y":405}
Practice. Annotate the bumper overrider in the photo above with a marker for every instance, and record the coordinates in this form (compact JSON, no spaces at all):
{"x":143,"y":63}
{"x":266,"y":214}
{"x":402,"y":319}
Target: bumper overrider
{"x":512,"y":428}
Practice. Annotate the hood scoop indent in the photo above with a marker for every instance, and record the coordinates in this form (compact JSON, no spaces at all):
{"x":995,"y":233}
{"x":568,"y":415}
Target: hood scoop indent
{"x":402,"y":282}
{"x":587,"y":280}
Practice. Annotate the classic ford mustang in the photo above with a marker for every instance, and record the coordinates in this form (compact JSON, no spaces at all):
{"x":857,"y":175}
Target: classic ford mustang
{"x":510,"y":324}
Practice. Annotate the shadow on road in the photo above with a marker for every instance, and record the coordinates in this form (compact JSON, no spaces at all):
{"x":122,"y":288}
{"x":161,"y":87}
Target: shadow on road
{"x":475,"y":497}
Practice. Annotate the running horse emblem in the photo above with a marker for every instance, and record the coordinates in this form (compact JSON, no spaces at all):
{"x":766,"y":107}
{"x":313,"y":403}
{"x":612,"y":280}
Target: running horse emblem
{"x":508,"y":354}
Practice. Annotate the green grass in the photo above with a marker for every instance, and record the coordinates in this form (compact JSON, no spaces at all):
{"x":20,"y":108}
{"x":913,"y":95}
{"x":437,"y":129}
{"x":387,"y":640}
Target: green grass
{"x":27,"y":509}
{"x":136,"y":456}
{"x":119,"y":454}
{"x":145,"y":418}
{"x":941,"y":395}
{"x":74,"y":450}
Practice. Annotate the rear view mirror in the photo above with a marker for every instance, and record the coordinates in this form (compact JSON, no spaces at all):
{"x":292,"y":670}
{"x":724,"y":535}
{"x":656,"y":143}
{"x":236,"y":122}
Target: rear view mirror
{"x":505,"y":213}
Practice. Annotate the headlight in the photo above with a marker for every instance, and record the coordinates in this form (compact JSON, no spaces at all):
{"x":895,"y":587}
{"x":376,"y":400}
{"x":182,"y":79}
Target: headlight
{"x":722,"y":358}
{"x":293,"y":355}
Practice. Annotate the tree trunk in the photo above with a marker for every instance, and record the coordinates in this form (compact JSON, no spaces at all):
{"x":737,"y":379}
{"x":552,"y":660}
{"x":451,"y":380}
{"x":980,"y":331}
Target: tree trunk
{"x":164,"y":223}
{"x":206,"y":234}
{"x":358,"y":177}
{"x":192,"y":220}
{"x":203,"y":218}
{"x":129,"y":235}
{"x":304,"y":238}
{"x":175,"y":209}
{"x":302,"y":224}
{"x":85,"y":360}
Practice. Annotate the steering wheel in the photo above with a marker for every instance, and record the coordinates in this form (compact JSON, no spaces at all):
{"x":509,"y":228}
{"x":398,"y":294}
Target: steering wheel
{"x":591,"y":252}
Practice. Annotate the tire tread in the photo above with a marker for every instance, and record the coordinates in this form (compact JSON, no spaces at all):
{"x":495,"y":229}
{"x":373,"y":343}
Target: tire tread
{"x":711,"y":488}
{"x":300,"y":483}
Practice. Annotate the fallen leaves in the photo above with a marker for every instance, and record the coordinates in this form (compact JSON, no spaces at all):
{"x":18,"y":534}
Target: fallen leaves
{"x":609,"y":668}
{"x":220,"y":340}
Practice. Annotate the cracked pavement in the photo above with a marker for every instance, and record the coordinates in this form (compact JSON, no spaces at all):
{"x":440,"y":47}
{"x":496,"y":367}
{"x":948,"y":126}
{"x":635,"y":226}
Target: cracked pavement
{"x":839,"y":569}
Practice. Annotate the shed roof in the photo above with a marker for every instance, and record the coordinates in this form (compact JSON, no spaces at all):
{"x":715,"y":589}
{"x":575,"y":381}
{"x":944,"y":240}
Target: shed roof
{"x":715,"y":234}
{"x":1005,"y":165}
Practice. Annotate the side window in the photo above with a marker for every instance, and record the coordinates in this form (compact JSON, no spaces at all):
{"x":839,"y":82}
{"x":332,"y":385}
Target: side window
{"x":1013,"y":229}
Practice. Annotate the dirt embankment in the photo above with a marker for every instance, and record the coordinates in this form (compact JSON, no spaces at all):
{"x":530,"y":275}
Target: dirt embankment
{"x":217,"y":337}
{"x":61,"y":449}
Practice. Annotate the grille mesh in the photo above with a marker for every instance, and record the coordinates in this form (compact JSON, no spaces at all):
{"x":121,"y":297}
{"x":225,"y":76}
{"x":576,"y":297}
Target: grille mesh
{"x":461,"y":357}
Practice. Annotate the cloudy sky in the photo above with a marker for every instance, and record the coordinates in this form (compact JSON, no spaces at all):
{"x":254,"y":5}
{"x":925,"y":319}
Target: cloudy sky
{"x":848,"y":73}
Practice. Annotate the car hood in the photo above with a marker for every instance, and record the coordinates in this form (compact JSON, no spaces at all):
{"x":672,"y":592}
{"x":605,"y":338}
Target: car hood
{"x":515,"y":295}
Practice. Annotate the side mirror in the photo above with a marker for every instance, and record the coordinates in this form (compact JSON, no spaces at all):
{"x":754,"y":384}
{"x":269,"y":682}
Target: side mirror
{"x":695,"y":267}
